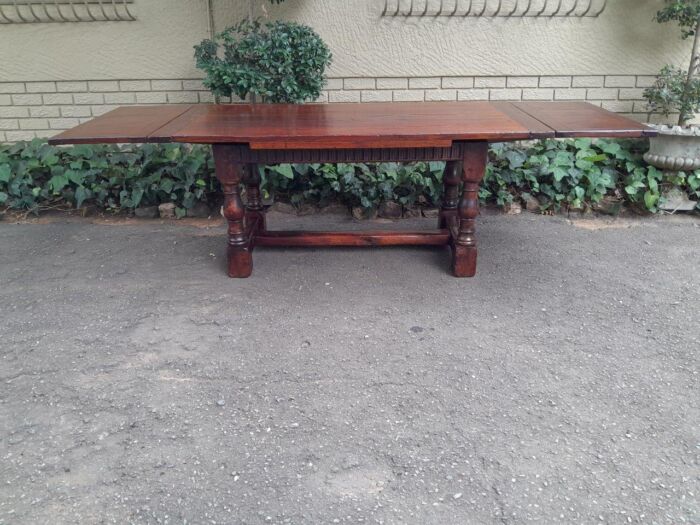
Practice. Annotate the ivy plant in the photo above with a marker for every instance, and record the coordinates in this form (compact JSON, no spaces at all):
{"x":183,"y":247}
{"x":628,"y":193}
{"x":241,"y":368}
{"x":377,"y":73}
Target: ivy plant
{"x":557,"y":173}
{"x":36,"y":176}
{"x":576,"y":174}
{"x":281,"y":62}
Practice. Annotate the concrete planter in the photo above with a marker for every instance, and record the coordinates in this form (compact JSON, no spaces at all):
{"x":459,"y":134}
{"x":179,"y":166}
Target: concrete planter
{"x":675,"y":149}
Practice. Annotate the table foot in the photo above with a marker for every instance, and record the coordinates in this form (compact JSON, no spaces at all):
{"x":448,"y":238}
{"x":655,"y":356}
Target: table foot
{"x":240,"y":262}
{"x":464,"y":261}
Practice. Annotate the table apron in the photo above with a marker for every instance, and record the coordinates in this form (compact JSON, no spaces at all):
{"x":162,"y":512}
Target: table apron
{"x":243,"y":154}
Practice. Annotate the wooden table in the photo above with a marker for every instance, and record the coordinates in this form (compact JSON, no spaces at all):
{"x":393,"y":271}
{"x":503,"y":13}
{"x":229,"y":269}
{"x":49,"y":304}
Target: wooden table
{"x":458,"y":133}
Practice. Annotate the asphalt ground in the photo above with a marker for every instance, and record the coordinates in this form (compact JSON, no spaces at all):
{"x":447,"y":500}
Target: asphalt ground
{"x":141,"y":385}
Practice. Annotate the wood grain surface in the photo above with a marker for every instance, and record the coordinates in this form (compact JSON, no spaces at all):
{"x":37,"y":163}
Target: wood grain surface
{"x":398,"y":125}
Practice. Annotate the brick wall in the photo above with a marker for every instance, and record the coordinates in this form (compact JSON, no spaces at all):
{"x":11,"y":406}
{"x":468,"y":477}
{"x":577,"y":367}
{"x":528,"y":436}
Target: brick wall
{"x":43,"y":109}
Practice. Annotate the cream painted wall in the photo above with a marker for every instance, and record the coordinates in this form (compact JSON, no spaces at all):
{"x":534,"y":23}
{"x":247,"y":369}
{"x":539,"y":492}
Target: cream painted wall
{"x":624,"y":40}
{"x":157,"y":45}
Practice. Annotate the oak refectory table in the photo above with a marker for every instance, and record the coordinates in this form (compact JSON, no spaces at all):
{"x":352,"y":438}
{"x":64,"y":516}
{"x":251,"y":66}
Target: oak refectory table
{"x":458,"y":133}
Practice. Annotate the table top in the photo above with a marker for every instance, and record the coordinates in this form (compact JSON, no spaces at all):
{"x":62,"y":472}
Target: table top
{"x":352,"y":126}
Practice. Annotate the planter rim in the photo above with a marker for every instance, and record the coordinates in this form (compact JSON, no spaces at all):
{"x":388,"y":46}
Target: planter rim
{"x":678,"y":131}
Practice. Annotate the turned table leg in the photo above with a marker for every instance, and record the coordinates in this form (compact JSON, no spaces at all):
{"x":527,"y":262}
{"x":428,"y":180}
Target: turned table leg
{"x":464,"y":250}
{"x":254,"y":211}
{"x":450,"y":200}
{"x":240,"y":257}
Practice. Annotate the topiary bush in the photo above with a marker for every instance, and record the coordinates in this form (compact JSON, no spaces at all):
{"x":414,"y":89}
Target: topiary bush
{"x":281,"y":62}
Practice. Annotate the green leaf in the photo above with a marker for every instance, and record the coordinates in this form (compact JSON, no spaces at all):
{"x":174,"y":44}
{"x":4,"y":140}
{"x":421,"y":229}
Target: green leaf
{"x":516,"y":158}
{"x":650,"y":200}
{"x":583,"y":144}
{"x":563,"y":159}
{"x":136,"y":197}
{"x":57,"y":183}
{"x":609,"y":147}
{"x":559,"y":174}
{"x":3,"y":197}
{"x":5,"y":172}
{"x":81,"y":195}
{"x":51,"y":159}
{"x":597,"y":158}
{"x":188,"y":200}
{"x":653,"y":185}
{"x":285,"y":170}
{"x":77,"y":177}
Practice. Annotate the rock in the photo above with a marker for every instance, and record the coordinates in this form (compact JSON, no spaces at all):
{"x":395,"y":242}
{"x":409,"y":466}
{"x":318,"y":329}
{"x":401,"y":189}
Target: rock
{"x":431,"y":213}
{"x":284,"y":207}
{"x":306,"y":209}
{"x":531,"y":203}
{"x":334,"y":208}
{"x":608,"y":206}
{"x":359,"y":213}
{"x":676,"y":200}
{"x":167,"y":210}
{"x":412,"y":212}
{"x":147,"y":212}
{"x":417,"y":329}
{"x":200,"y":211}
{"x":390,"y":210}
{"x":221,"y":402}
{"x":512,"y":208}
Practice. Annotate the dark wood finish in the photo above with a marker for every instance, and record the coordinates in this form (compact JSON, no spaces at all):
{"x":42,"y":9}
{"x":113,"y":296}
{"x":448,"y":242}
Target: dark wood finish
{"x":363,"y":238}
{"x":244,"y":136}
{"x":243,"y":153}
{"x":240,"y":257}
{"x":127,"y":124}
{"x":403,"y":125}
{"x":580,"y":119}
{"x":246,"y":224}
{"x":464,"y":250}
{"x":451,"y":179}
{"x":538,"y":130}
{"x":349,"y":126}
{"x":254,"y":208}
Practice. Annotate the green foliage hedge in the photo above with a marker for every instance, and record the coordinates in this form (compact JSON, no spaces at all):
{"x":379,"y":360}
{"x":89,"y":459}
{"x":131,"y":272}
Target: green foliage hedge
{"x":278,"y":61}
{"x":34,"y":175}
{"x":559,"y":174}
